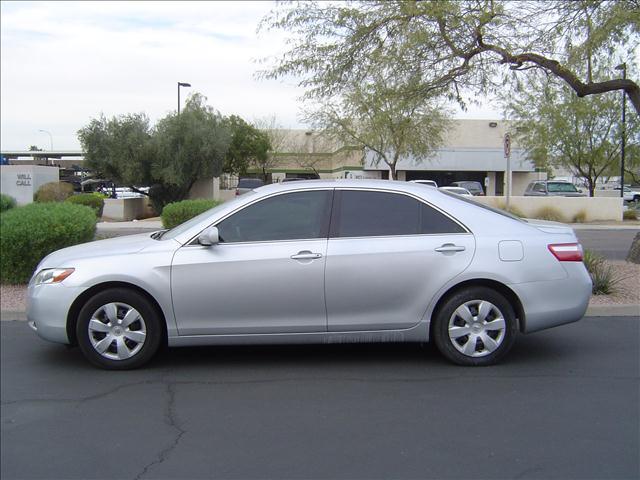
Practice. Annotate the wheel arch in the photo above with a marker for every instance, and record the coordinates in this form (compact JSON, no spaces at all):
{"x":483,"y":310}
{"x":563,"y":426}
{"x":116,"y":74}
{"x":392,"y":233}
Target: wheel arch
{"x":501,"y":288}
{"x":78,"y":303}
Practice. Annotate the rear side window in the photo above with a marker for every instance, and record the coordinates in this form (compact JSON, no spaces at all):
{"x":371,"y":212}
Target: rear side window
{"x":291,"y":216}
{"x":368,"y":214}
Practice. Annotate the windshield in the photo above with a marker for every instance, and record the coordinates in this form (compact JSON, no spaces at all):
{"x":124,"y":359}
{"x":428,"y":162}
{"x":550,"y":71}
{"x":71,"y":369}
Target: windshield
{"x":561,"y":187}
{"x":183,"y":227}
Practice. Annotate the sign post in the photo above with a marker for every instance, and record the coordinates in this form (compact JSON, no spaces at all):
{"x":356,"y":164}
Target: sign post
{"x":507,"y":154}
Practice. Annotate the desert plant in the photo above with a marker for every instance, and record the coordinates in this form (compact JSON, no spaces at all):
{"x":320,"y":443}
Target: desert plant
{"x":580,"y":217}
{"x":549,"y":213}
{"x":630,"y":214}
{"x":93,"y":200}
{"x":54,"y":192}
{"x":179,"y":212}
{"x":6,"y":202}
{"x":602,"y":274}
{"x":29,"y":233}
{"x":512,"y":210}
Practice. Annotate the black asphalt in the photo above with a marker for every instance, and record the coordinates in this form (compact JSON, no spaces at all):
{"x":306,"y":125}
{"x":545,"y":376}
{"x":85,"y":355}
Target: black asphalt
{"x":613,"y":244}
{"x":564,"y":405}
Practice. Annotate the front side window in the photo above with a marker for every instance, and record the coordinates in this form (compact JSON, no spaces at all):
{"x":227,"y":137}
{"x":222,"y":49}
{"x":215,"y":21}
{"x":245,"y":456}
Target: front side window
{"x":291,"y":216}
{"x":367,"y":214}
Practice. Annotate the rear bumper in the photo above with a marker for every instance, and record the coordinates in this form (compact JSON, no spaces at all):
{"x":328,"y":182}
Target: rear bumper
{"x":555,"y":302}
{"x":47,"y":310}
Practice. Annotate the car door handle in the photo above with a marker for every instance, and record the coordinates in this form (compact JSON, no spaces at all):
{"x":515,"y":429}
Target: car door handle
{"x":306,"y":255}
{"x":450,"y":247}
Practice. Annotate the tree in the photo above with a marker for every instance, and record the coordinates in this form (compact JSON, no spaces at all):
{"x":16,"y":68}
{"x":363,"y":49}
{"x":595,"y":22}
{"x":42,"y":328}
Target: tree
{"x":458,"y":46}
{"x":277,"y":140}
{"x":580,"y":134}
{"x":34,"y":148}
{"x":249,"y":147}
{"x":382,"y":117}
{"x":169,"y":158}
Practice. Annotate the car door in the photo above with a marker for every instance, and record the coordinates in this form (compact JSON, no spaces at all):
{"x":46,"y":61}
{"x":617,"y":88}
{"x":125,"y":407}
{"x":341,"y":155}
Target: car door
{"x":388,"y":254}
{"x":266,"y":275}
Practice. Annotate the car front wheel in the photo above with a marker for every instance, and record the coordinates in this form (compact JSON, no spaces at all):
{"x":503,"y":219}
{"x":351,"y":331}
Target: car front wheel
{"x":476,"y":326}
{"x":118,"y":329}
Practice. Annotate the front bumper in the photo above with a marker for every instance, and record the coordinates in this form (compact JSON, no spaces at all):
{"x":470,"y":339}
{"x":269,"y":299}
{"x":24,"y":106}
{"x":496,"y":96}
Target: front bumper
{"x":555,"y":302}
{"x":47,"y":309}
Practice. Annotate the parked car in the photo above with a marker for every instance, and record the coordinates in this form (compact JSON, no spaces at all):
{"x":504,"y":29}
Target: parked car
{"x":474,"y":187}
{"x":557,"y":188}
{"x":629,"y":194}
{"x":457,"y":191}
{"x":247,"y":184}
{"x":430,"y":183}
{"x":316,"y":262}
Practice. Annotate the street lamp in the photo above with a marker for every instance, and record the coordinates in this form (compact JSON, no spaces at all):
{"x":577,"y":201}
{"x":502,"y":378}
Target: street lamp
{"x":181,"y":84}
{"x":50,"y":137}
{"x":623,"y":67}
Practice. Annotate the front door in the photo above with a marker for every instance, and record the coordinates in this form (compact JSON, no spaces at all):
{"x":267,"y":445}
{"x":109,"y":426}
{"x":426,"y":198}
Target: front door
{"x":265,"y":276}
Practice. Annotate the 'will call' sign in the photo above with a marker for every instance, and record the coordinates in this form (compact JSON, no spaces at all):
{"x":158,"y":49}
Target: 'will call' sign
{"x":24,"y":180}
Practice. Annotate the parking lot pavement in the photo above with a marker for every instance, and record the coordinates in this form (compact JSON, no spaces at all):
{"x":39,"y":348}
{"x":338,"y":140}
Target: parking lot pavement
{"x":565,"y":404}
{"x":613,"y":244}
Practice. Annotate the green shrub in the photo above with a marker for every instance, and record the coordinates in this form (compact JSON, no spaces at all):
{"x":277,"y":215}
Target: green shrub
{"x":630,"y":214}
{"x":6,"y":202}
{"x":93,"y":200}
{"x":179,"y":212}
{"x":29,"y":233}
{"x":54,"y":192}
{"x":602,"y":274}
{"x":580,"y":217}
{"x":549,"y":213}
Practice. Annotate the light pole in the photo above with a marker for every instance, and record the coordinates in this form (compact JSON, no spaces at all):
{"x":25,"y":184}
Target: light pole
{"x":50,"y":137}
{"x":181,"y":84}
{"x":623,"y":67}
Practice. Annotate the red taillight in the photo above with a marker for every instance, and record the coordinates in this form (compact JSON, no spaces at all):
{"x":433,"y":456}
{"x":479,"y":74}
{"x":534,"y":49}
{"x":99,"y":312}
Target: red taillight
{"x":567,"y":252}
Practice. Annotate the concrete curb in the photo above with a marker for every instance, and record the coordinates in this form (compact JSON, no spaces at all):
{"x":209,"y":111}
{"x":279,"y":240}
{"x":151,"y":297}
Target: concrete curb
{"x":592,"y":311}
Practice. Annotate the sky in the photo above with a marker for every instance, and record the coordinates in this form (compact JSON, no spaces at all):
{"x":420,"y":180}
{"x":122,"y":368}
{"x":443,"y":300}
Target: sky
{"x":63,"y":63}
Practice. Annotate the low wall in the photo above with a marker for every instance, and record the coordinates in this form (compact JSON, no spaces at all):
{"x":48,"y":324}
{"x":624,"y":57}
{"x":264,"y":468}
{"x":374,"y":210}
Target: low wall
{"x":125,"y":209}
{"x":22,"y":181}
{"x":595,"y":208}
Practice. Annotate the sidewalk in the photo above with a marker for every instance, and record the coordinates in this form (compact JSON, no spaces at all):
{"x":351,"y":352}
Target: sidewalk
{"x":149,"y":223}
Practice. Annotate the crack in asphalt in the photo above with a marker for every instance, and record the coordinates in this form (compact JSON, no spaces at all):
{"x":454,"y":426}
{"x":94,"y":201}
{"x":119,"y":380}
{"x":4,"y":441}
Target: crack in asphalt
{"x":309,"y":379}
{"x":170,"y":419}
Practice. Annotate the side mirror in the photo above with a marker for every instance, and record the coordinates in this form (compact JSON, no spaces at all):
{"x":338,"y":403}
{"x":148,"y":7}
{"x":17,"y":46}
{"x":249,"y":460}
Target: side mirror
{"x":209,"y":237}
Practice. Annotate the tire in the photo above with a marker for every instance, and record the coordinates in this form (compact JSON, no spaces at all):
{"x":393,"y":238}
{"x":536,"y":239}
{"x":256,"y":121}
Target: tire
{"x":483,"y":338}
{"x":119,"y":329}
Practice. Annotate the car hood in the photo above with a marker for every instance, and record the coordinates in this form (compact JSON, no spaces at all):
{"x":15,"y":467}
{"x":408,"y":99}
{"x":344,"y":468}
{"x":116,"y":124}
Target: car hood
{"x":112,"y":246}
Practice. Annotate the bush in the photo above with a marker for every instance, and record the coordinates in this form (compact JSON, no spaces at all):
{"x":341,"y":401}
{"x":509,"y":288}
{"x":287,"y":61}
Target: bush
{"x":93,"y":200}
{"x":179,"y":212}
{"x":602,"y":274}
{"x":580,"y":217}
{"x":6,"y":202}
{"x":512,"y":210}
{"x":29,"y":233}
{"x":549,"y":213}
{"x":54,"y":192}
{"x":630,"y":214}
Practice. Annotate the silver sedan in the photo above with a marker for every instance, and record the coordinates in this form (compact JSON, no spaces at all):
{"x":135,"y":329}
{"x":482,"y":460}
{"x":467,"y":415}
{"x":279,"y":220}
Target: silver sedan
{"x":316,"y":262}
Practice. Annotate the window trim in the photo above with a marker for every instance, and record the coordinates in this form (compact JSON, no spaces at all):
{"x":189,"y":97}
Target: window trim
{"x":337,"y":203}
{"x":324,"y":229}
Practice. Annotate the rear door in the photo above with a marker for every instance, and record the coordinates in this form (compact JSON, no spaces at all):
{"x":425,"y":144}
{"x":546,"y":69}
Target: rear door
{"x":388,"y":254}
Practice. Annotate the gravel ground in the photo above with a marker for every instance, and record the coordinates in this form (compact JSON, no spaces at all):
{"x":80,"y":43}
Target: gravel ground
{"x":13,"y":297}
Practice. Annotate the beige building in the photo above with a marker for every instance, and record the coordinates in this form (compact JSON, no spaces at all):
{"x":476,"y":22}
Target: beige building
{"x":473,"y":150}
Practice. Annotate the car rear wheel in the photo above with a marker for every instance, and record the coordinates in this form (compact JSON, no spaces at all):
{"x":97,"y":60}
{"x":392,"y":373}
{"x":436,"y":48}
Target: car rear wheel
{"x":475,"y":326}
{"x":118,"y":329}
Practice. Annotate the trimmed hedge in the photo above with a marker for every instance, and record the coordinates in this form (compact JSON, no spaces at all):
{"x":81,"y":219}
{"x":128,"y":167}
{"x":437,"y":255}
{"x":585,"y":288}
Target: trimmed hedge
{"x":6,"y":202}
{"x":54,"y":192}
{"x":174,"y":214}
{"x":93,"y":200}
{"x":29,"y":233}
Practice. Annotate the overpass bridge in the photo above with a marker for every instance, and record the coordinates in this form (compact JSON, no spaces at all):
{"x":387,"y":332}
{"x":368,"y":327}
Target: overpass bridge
{"x":60,"y":158}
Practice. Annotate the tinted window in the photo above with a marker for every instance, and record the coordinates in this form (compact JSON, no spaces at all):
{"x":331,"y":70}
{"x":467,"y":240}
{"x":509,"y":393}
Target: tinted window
{"x":250,"y":183}
{"x":366,"y":214}
{"x":290,"y":216}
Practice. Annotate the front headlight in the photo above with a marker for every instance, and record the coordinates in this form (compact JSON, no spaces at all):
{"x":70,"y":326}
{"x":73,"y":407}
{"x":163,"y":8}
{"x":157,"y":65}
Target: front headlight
{"x":52,"y":275}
